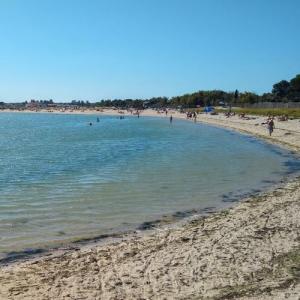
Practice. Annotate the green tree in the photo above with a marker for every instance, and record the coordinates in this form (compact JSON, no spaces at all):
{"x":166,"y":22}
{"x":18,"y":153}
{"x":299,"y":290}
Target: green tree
{"x":281,"y":89}
{"x":248,"y":97}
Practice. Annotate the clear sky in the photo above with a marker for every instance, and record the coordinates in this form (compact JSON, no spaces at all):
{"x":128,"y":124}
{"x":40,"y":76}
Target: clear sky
{"x":95,"y":49}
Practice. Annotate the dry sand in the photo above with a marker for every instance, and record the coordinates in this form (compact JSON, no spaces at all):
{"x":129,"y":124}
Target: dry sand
{"x":251,"y":251}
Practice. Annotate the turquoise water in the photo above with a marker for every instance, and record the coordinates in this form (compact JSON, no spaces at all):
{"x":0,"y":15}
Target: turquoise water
{"x":61,"y":179}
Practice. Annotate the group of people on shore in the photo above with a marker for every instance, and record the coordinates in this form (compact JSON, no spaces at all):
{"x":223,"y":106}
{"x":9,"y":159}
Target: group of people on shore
{"x":229,"y":114}
{"x":193,"y":116}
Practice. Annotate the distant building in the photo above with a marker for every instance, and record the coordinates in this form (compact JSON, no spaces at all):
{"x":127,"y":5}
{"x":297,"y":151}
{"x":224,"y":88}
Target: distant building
{"x":32,"y":104}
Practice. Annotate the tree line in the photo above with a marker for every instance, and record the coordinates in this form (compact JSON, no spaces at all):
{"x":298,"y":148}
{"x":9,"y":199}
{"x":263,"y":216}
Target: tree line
{"x":282,"y":91}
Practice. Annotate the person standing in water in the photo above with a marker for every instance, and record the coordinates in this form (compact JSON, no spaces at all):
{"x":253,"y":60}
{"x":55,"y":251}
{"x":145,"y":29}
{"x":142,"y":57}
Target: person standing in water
{"x":271,"y":126}
{"x":171,"y":119}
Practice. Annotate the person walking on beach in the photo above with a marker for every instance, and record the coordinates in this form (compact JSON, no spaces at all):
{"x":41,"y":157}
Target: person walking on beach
{"x":271,"y":126}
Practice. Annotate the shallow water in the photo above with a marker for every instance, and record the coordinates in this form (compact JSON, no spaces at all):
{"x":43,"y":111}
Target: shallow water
{"x":61,"y":179}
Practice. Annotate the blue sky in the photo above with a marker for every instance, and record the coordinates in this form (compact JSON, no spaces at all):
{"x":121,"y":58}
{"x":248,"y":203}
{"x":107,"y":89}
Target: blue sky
{"x":92,"y":50}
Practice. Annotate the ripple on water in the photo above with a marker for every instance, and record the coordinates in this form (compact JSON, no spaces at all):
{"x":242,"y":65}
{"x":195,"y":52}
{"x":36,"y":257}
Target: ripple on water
{"x":63,"y":180}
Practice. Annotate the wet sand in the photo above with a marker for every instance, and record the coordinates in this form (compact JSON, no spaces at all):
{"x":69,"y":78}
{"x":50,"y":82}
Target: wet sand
{"x":251,"y":251}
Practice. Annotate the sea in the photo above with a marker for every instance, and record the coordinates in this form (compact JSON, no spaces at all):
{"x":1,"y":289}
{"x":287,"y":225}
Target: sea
{"x":66,"y":177}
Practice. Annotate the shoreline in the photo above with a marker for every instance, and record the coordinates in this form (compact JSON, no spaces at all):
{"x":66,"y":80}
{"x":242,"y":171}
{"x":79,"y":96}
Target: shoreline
{"x":160,"y":272}
{"x":252,"y":127}
{"x":169,"y":221}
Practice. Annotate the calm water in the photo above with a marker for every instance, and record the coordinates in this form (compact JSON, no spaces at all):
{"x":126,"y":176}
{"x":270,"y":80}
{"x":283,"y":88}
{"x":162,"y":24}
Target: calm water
{"x":62,"y":180}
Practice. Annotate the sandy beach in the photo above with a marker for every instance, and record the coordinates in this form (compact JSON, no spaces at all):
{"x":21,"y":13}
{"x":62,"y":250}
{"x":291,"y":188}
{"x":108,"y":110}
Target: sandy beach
{"x":250,"y":251}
